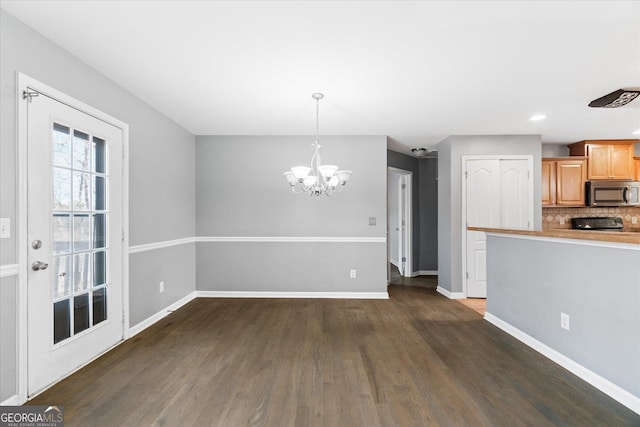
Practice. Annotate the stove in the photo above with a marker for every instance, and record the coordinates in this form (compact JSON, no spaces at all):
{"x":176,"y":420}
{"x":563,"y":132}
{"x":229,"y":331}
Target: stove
{"x":611,"y":223}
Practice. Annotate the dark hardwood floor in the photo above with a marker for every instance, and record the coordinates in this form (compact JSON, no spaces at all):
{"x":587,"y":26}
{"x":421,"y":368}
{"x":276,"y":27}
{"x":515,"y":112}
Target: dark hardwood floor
{"x":417,"y":359}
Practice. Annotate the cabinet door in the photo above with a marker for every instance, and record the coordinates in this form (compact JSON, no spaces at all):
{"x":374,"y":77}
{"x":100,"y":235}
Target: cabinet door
{"x":548,"y":183}
{"x":571,"y":176}
{"x":598,"y":161}
{"x":621,"y":162}
{"x":637,"y":169}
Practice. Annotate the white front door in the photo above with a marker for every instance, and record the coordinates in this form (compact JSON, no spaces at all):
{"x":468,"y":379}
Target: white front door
{"x":74,"y":231}
{"x":499,"y":194}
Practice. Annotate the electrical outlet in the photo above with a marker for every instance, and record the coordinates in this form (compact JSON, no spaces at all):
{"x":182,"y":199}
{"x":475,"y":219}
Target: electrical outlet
{"x":372,"y":220}
{"x":564,"y":321}
{"x":5,"y":228}
{"x":561,"y":220}
{"x":634,"y":220}
{"x":352,"y":274}
{"x":161,"y":287}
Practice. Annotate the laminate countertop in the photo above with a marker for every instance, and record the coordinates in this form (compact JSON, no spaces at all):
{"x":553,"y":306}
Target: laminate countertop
{"x":601,"y":236}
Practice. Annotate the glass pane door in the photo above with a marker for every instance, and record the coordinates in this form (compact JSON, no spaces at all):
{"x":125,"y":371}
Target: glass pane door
{"x":80,"y":239}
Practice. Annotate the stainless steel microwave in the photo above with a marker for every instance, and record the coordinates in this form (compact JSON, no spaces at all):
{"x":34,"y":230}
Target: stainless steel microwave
{"x":613,"y":193}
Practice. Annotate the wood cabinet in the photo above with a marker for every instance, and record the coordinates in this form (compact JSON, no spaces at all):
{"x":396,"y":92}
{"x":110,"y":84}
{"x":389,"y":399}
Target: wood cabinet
{"x":637,"y":162}
{"x":563,"y":181}
{"x":607,"y":159}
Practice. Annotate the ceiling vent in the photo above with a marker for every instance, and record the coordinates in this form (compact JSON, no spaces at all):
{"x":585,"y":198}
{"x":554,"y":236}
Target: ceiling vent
{"x":615,"y":99}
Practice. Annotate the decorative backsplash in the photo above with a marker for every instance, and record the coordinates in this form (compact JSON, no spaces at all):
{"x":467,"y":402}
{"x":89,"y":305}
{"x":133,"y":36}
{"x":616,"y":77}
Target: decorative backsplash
{"x":551,"y":217}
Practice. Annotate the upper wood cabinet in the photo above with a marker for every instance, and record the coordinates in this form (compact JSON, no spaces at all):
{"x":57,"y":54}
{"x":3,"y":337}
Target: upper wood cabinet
{"x":607,"y":159}
{"x":637,"y":161}
{"x":563,"y":181}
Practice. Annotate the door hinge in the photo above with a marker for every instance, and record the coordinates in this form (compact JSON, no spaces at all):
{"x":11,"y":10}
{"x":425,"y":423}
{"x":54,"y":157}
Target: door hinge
{"x":467,"y":275}
{"x":123,"y":235}
{"x":29,"y":95}
{"x":404,"y":259}
{"x":403,"y":186}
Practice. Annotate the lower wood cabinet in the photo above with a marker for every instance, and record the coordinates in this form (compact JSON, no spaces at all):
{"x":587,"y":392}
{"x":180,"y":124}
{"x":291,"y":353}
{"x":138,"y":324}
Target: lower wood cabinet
{"x":563,"y":181}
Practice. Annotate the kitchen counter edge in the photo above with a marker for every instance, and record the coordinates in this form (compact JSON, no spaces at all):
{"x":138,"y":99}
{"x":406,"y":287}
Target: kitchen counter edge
{"x":599,"y":236}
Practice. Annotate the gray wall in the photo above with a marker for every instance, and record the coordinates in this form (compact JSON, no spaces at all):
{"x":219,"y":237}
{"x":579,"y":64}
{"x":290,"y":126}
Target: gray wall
{"x":162,"y":167}
{"x":428,"y":181}
{"x":450,"y":152}
{"x":529,"y":283}
{"x":8,"y":331}
{"x":241,"y":192}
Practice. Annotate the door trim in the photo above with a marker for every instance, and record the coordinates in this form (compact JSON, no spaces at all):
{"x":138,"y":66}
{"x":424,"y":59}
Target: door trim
{"x":24,"y":82}
{"x":463,"y":203}
{"x":408,"y":242}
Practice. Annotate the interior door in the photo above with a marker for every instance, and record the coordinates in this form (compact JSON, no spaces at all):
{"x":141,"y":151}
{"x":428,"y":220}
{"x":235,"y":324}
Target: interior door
{"x":482,"y":203}
{"x":402,"y":256}
{"x":498,"y":195}
{"x":74,"y":229}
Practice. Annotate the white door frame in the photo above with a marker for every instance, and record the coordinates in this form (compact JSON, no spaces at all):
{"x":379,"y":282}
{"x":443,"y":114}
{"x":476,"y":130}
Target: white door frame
{"x":463,"y":201}
{"x":408,"y":205}
{"x":24,"y":83}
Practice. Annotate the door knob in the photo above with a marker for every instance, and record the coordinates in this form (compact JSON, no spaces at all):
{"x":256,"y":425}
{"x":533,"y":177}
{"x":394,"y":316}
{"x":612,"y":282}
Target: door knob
{"x":39,"y":265}
{"x":36,"y":244}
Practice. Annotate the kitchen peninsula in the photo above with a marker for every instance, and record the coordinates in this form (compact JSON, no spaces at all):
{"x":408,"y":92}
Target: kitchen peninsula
{"x":574,"y":296}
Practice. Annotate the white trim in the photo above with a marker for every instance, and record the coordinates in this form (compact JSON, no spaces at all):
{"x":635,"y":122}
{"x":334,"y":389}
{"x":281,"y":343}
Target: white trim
{"x":160,"y":314}
{"x":393,"y":262}
{"x":23,"y":82}
{"x":160,"y":245}
{"x":568,"y":241}
{"x":614,"y":391}
{"x":288,"y":239}
{"x":451,"y":295}
{"x":11,"y":401}
{"x":9,"y":270}
{"x":332,"y":295}
{"x":424,"y":273}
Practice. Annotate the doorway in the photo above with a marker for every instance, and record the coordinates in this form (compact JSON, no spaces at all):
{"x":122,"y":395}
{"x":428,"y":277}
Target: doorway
{"x":72,"y":235}
{"x":400,"y":221}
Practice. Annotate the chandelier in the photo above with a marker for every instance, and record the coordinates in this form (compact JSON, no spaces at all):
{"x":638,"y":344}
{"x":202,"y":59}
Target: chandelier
{"x":318,"y":179}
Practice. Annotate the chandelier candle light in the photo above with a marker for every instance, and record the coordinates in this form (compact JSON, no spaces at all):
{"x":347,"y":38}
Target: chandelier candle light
{"x":318,"y":179}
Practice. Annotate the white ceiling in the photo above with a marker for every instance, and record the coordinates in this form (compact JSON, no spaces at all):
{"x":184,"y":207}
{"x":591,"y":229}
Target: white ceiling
{"x":415,"y":71}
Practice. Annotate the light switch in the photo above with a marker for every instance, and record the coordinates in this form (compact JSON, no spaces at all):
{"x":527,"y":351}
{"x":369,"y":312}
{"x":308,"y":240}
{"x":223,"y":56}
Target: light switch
{"x":5,"y":228}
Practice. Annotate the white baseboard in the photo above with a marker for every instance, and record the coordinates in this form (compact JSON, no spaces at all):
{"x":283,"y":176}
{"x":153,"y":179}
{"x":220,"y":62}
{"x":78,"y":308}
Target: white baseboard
{"x":134,"y":330}
{"x":449,"y":294}
{"x":424,"y":273}
{"x":394,"y":262}
{"x":11,"y":401}
{"x":616,"y":392}
{"x":332,"y":295}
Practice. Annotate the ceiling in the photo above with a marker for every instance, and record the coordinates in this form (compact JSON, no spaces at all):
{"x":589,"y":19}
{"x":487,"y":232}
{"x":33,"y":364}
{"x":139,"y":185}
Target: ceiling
{"x":415,"y":71}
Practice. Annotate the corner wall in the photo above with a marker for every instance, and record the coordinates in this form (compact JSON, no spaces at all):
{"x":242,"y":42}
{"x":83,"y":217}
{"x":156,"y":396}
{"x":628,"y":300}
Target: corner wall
{"x":450,"y":221}
{"x":161,"y":188}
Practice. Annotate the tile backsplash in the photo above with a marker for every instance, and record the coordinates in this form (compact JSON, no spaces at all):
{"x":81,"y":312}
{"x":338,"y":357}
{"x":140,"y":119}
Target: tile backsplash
{"x":551,"y":217}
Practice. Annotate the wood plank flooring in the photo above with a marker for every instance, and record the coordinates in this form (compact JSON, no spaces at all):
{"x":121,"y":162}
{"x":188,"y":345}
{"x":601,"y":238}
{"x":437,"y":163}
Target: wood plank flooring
{"x":417,"y":359}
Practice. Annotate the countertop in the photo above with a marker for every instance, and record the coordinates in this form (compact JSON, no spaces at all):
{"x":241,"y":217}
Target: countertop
{"x":601,"y":236}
